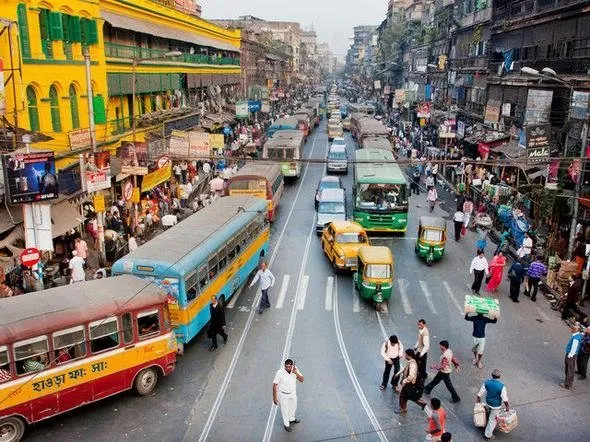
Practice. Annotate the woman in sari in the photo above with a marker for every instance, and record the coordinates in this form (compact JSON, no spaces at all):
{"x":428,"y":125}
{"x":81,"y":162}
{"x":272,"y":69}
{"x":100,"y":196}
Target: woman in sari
{"x":496,"y":271}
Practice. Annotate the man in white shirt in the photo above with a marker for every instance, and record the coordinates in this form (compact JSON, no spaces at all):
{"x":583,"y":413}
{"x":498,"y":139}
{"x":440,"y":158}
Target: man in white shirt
{"x":284,"y":392}
{"x":267,"y":280}
{"x":495,"y":394}
{"x":432,"y":197}
{"x":435,"y":173}
{"x":421,"y":348}
{"x":479,"y":268}
{"x":76,"y":265}
{"x":458,"y":219}
{"x":525,"y":250}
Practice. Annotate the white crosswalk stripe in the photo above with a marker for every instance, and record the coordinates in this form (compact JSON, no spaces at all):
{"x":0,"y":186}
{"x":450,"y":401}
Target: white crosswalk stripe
{"x":403,"y":293}
{"x":283,"y":291}
{"x":453,"y":297}
{"x":428,"y":297}
{"x":302,"y":292}
{"x":329,"y":293}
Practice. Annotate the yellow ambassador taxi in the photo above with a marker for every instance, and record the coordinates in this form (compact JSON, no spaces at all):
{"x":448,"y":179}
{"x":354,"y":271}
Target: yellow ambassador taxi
{"x":341,"y":241}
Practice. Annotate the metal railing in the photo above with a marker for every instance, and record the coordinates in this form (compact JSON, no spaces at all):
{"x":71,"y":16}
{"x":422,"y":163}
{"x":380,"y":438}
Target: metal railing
{"x":515,"y":10}
{"x":116,"y":50}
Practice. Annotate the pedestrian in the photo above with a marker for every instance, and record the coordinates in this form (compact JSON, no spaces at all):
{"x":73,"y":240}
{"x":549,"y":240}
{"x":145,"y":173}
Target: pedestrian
{"x":435,"y":173}
{"x":409,"y":385}
{"x":444,"y":370}
{"x":217,"y":323}
{"x":177,"y":173}
{"x":284,"y":392}
{"x":458,"y":220}
{"x":580,"y":252}
{"x":391,"y":352}
{"x":479,"y":335}
{"x":481,"y":238}
{"x":432,"y":198}
{"x":446,"y":437}
{"x":496,"y":269}
{"x":571,"y":353}
{"x":437,"y":418}
{"x":429,"y":180}
{"x":76,"y":266}
{"x":534,"y":273}
{"x":267,"y":280}
{"x":81,"y":247}
{"x":467,"y":211}
{"x":516,"y":275}
{"x":584,"y":354}
{"x":415,"y":185}
{"x":421,"y":348}
{"x":478,"y":268}
{"x":503,"y":243}
{"x":495,"y":394}
{"x":573,"y":295}
{"x":524,"y":251}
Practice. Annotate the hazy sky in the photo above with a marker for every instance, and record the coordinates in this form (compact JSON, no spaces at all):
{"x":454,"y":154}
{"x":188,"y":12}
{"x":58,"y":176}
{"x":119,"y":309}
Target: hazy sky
{"x":332,"y":20}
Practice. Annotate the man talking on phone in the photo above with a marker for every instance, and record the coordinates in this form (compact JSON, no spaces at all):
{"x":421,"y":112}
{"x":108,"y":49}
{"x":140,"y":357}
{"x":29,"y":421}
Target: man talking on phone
{"x":284,"y":392}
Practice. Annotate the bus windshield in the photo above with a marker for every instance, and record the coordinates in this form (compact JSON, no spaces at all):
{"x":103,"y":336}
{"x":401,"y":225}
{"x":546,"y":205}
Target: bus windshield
{"x":331,"y":207}
{"x":381,"y":196}
{"x":378,"y":271}
{"x":247,"y":184}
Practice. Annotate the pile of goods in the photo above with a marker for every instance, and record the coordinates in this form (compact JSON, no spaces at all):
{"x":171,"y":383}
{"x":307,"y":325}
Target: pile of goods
{"x":485,"y":305}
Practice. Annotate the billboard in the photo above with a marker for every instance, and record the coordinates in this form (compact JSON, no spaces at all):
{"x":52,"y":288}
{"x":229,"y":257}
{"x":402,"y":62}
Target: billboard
{"x":97,"y":170}
{"x":134,"y":158}
{"x":538,"y":106}
{"x":538,"y":137}
{"x":199,"y":144}
{"x":242,"y":109}
{"x":179,"y":144}
{"x":30,"y":177}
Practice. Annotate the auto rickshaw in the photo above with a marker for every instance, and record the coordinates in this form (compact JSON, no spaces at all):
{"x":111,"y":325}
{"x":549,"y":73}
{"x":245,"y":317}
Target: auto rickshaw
{"x":374,"y":276}
{"x":432,"y":236}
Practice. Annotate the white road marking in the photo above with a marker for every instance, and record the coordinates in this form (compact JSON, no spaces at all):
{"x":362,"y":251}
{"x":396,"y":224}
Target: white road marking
{"x":234,"y":298}
{"x":452,"y":296}
{"x":403,"y":285}
{"x":542,"y":314}
{"x":383,"y":332}
{"x":239,"y":347}
{"x":352,"y":374}
{"x":302,"y":293}
{"x":283,"y":291}
{"x":356,"y":299}
{"x":329,"y":293}
{"x":428,"y":297}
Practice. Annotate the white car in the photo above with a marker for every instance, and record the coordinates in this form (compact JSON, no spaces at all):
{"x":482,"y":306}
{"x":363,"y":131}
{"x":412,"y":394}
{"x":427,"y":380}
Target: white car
{"x":338,"y":141}
{"x":337,"y":160}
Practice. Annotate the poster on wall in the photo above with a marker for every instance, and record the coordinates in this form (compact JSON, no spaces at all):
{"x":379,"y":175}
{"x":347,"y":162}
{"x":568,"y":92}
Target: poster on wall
{"x":579,"y":106}
{"x":79,"y":138}
{"x":242,"y":109}
{"x":538,"y":106}
{"x":30,"y":177}
{"x":216,"y":141}
{"x":134,"y":158}
{"x":199,"y":144}
{"x":179,"y":144}
{"x":423,"y":110}
{"x":400,"y":95}
{"x":538,"y":137}
{"x":492,"y":113}
{"x":97,"y":170}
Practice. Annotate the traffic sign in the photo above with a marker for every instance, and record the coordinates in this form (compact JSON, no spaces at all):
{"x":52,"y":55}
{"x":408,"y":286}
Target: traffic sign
{"x":29,"y":257}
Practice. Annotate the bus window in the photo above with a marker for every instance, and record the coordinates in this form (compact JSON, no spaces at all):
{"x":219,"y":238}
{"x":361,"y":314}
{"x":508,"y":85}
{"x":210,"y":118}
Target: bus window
{"x":203,"y":276}
{"x":31,"y":355}
{"x":289,"y":154}
{"x":104,"y":334}
{"x":5,"y":374}
{"x":222,"y":258}
{"x":190,"y":285}
{"x":212,"y":265}
{"x":148,"y":323}
{"x":231,"y":250}
{"x":69,"y":344}
{"x":127,"y":328}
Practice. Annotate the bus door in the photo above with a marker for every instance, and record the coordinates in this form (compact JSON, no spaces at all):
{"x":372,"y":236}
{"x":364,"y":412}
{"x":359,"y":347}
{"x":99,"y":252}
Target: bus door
{"x":105,"y":335}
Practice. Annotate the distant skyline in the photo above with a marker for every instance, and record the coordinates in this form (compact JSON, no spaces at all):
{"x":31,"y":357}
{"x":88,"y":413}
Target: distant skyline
{"x":332,"y":20}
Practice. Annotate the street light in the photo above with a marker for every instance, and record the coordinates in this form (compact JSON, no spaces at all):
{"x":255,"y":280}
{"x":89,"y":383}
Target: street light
{"x":549,"y":74}
{"x":134,"y":63}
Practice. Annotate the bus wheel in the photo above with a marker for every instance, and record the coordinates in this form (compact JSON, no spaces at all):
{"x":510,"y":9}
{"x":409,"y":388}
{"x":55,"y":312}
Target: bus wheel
{"x":12,"y":429}
{"x":145,"y":381}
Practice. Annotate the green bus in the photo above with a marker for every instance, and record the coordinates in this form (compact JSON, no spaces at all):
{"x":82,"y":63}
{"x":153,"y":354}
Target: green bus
{"x":380,"y":193}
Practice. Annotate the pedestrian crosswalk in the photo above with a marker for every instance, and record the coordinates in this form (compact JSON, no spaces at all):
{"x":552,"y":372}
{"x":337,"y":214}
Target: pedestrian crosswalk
{"x":409,"y":296}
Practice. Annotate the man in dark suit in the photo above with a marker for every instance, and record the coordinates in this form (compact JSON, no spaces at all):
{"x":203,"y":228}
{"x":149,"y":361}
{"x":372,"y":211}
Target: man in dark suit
{"x":217,"y":323}
{"x":571,"y":300}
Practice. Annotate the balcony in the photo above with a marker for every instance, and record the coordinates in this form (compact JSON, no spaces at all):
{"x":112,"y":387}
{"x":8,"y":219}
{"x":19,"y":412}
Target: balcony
{"x":470,"y":63}
{"x":517,"y":10}
{"x":475,"y":18}
{"x":115,"y":50}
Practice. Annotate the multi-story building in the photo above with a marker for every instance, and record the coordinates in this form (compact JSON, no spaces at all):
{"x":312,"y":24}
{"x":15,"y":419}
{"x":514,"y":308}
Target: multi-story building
{"x":43,"y":50}
{"x":308,"y":55}
{"x":326,"y":60}
{"x":360,"y":56}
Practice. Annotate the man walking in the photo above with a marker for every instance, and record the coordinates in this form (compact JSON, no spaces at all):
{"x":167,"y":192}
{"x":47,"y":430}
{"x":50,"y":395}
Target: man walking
{"x":495,"y":394}
{"x":421,"y":348}
{"x":437,"y":418}
{"x":267,"y":280}
{"x":479,"y":268}
{"x":584,"y":354}
{"x":458,"y":220}
{"x":571,"y":353}
{"x":415,"y":185}
{"x":432,"y":198}
{"x":284,"y":392}
{"x":536,"y":270}
{"x":479,"y":335}
{"x":516,"y":274}
{"x":444,"y":367}
{"x":217,"y":323}
{"x":409,"y":386}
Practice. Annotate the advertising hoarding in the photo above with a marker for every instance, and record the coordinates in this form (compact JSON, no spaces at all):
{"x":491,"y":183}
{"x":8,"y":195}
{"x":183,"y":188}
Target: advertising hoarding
{"x":30,"y":177}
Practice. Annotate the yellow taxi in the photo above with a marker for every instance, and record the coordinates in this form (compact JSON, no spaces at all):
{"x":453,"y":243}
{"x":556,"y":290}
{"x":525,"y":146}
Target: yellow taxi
{"x":335,"y":131}
{"x":341,"y":241}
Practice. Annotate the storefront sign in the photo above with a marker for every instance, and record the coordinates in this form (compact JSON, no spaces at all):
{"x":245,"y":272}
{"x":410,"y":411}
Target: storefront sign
{"x":79,"y":138}
{"x":199,"y":144}
{"x":159,"y":176}
{"x":30,"y":177}
{"x":179,"y":144}
{"x":99,"y":203}
{"x":538,"y":106}
{"x":460,"y":129}
{"x":254,"y":106}
{"x":157,"y":148}
{"x":134,"y":158}
{"x":128,"y":191}
{"x":30,"y":256}
{"x":537,"y":142}
{"x":242,"y":109}
{"x":400,"y":95}
{"x":216,"y":141}
{"x":97,"y":170}
{"x":423,"y":110}
{"x":492,"y":113}
{"x":377,"y":84}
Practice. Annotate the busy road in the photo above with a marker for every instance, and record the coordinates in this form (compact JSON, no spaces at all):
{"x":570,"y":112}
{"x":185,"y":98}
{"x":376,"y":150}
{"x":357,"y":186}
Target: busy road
{"x":334,"y":337}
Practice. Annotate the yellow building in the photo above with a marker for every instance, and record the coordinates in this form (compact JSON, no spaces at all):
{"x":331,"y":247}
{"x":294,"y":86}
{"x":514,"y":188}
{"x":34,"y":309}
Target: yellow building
{"x":47,"y":95}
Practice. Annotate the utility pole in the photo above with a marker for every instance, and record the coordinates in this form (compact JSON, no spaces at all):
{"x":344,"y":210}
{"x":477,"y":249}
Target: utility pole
{"x":578,"y":191}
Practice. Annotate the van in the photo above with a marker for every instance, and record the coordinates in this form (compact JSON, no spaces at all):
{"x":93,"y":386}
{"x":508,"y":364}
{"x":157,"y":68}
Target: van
{"x":332,"y":207}
{"x":337,"y":159}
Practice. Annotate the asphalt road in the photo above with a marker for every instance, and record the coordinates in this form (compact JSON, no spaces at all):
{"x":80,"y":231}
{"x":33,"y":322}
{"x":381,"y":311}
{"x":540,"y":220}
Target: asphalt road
{"x":334,"y":339}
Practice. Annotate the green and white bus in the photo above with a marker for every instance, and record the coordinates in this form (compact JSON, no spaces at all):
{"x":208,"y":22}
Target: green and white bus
{"x":380,"y":193}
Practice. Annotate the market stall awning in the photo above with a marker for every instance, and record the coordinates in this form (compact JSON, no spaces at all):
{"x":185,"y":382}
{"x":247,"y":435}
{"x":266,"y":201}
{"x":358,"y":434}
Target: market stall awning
{"x":148,"y":27}
{"x":511,"y":149}
{"x":64,"y":217}
{"x":10,"y":217}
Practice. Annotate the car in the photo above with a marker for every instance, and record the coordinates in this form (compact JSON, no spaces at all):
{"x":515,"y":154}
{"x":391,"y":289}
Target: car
{"x":337,"y":160}
{"x":332,"y":207}
{"x":338,"y":141}
{"x":346,"y":123}
{"x":326,"y":182}
{"x":341,"y":241}
{"x":334,"y":131}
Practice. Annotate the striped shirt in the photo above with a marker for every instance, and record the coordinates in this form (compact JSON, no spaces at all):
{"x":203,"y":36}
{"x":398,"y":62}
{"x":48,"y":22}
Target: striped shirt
{"x":537,"y":269}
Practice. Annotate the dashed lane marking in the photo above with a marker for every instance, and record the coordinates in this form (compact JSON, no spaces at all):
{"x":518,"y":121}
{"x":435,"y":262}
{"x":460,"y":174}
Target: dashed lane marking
{"x":329,"y":293}
{"x":283,"y":291}
{"x":302,"y":293}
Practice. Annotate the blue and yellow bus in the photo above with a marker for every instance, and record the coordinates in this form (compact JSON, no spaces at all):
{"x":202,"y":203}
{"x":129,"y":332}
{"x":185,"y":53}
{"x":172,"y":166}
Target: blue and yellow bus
{"x":210,"y":253}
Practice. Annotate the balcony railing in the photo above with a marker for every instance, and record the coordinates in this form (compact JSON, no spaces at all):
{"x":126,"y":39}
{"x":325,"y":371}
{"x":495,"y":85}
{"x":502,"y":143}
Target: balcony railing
{"x":116,"y":50}
{"x":516,"y":10}
{"x":469,"y":63}
{"x":475,"y":17}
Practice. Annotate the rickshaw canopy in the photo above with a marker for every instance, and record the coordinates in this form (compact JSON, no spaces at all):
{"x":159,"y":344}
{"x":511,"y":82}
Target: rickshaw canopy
{"x":376,"y":255}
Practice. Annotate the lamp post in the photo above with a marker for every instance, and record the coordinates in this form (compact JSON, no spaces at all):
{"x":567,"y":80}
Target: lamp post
{"x":134,"y":63}
{"x":550,"y":74}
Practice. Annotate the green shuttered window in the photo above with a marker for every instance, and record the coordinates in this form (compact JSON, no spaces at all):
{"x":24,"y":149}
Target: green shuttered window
{"x":74,"y":107}
{"x":32,"y":108}
{"x":100,"y":114}
{"x":56,"y":31}
{"x":23,"y":28}
{"x":54,"y":107}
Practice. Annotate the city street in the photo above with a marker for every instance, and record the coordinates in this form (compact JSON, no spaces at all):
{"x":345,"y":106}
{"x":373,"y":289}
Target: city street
{"x":318,"y":320}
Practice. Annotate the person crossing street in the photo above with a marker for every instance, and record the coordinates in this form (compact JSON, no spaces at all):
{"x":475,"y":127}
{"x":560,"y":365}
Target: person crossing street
{"x":445,"y":368}
{"x":479,"y":268}
{"x":284,"y":392}
{"x":267,"y":280}
{"x":421,"y":348}
{"x":479,"y":335}
{"x":495,"y":394}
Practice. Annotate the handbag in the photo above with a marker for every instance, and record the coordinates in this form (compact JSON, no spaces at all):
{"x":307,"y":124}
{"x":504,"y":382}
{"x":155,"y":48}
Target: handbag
{"x":488,"y":278}
{"x":463,"y":230}
{"x":480,"y":418}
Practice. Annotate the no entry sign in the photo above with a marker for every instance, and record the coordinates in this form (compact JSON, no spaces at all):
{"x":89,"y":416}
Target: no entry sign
{"x":29,"y":257}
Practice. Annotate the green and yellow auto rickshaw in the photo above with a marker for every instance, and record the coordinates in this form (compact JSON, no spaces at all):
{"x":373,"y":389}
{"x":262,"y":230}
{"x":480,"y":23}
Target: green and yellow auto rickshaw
{"x":374,"y":275}
{"x":432,"y":237}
